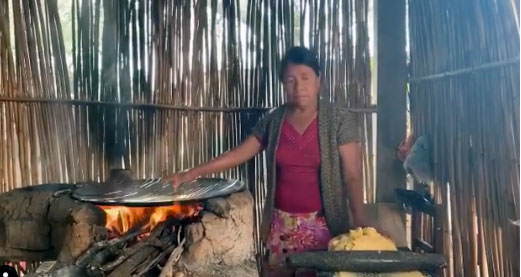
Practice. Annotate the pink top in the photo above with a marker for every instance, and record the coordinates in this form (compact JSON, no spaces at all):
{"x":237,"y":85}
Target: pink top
{"x":298,"y":170}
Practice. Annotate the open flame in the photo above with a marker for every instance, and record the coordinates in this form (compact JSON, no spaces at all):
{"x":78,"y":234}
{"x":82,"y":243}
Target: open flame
{"x":120,"y":219}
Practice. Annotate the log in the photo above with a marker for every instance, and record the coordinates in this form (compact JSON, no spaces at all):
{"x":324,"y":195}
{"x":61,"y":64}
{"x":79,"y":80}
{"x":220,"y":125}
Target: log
{"x":133,"y":262}
{"x":167,"y":270}
{"x":66,"y":271}
{"x":86,"y":258}
{"x":126,"y":253}
{"x":154,"y":261}
{"x":367,"y":261}
{"x":94,"y":269}
{"x":166,"y":239}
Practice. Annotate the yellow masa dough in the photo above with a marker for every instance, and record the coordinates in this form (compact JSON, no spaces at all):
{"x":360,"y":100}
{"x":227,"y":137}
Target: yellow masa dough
{"x":366,"y":239}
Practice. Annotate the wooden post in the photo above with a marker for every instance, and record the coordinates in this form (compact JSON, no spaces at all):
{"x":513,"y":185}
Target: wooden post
{"x":391,"y":95}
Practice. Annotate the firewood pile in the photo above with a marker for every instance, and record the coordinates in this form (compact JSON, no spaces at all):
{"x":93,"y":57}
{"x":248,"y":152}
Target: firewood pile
{"x":132,"y":254}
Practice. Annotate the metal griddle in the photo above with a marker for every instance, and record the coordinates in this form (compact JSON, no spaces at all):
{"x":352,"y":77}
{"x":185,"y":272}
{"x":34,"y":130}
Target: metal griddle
{"x":152,"y":192}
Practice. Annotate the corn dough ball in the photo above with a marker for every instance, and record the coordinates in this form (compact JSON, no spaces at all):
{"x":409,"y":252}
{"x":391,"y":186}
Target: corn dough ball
{"x":366,"y":239}
{"x":361,"y":239}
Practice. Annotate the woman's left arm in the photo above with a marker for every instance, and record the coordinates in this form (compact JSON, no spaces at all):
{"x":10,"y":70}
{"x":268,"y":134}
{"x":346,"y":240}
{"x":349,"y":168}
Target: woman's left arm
{"x":351,"y":157}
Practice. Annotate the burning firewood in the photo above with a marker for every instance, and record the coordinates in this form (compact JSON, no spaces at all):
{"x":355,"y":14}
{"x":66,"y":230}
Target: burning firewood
{"x":167,"y":270}
{"x":147,"y":266}
{"x":89,"y":254}
{"x":166,"y":237}
{"x":124,"y":255}
{"x":153,"y":242}
{"x":119,"y":257}
{"x":127,"y":253}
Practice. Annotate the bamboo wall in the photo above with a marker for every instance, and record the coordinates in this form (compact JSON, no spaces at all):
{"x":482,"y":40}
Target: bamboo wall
{"x":161,"y":86}
{"x":465,"y":97}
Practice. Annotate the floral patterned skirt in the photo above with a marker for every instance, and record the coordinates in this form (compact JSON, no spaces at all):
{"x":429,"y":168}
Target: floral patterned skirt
{"x":293,"y":233}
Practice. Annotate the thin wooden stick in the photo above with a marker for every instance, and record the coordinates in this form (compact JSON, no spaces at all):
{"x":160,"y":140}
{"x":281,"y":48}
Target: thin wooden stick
{"x":172,"y":260}
{"x":371,"y":109}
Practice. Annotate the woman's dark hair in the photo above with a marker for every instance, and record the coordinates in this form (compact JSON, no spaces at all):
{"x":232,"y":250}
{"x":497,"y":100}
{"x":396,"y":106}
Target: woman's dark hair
{"x":299,"y":55}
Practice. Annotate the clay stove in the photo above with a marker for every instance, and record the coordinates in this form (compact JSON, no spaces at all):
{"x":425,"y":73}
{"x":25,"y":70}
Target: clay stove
{"x":210,"y":237}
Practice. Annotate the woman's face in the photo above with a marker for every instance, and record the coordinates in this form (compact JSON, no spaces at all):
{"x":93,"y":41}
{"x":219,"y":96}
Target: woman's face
{"x":301,"y":85}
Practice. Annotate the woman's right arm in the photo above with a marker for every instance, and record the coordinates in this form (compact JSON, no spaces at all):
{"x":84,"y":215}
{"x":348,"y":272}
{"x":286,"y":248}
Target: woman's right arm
{"x":242,"y":153}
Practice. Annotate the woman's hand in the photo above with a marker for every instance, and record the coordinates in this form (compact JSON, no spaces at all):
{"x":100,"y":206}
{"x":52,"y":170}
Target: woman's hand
{"x":180,"y":178}
{"x":359,"y":221}
{"x":249,"y":148}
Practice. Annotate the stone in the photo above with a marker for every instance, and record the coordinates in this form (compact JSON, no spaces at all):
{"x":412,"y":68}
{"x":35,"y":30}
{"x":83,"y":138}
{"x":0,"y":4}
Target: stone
{"x":194,"y":233}
{"x":219,"y":206}
{"x":221,"y":244}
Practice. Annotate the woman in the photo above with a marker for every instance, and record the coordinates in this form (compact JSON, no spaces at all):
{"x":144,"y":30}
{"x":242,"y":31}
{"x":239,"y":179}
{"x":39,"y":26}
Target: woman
{"x":314,"y":161}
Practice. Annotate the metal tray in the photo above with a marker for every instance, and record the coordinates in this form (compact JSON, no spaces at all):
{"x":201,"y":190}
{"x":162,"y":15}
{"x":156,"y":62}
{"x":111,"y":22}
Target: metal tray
{"x":152,"y":192}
